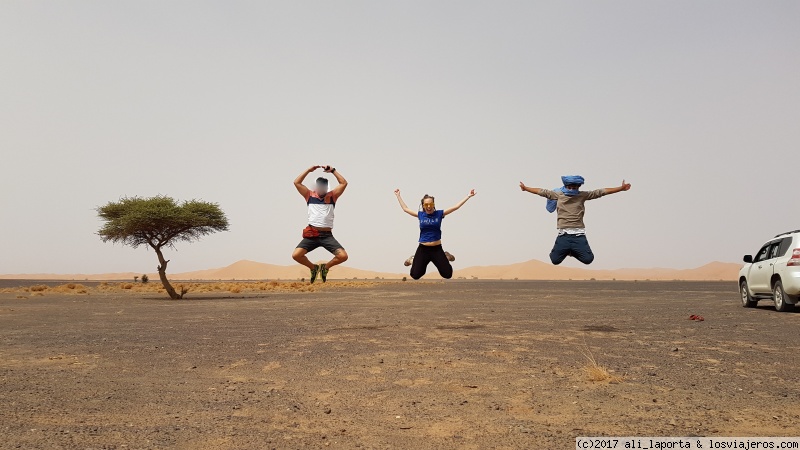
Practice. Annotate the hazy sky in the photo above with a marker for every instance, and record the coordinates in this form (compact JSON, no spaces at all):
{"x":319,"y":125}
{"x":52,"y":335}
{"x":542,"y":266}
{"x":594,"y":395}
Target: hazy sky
{"x":696,"y":103}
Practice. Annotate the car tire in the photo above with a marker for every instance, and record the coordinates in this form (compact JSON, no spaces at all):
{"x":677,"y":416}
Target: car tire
{"x":779,"y":295}
{"x":747,"y":299}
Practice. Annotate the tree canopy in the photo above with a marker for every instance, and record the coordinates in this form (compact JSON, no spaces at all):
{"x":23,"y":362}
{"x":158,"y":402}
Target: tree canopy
{"x":159,"y":221}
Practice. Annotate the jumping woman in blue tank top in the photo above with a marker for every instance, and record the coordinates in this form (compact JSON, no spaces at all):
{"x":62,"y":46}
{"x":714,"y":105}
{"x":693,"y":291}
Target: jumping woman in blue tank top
{"x":430,"y":236}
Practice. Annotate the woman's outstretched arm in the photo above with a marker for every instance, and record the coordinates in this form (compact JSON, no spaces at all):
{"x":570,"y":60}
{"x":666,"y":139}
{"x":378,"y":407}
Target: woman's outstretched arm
{"x":460,"y":204}
{"x":403,"y":204}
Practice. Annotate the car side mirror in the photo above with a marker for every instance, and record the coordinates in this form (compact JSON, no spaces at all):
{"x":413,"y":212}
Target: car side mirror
{"x":748,"y":258}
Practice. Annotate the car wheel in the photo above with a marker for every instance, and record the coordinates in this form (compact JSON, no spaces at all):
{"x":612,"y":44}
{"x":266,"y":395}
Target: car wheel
{"x":779,"y":295}
{"x":747,"y":299}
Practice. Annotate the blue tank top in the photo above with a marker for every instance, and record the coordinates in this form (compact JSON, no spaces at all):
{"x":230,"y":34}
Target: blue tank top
{"x":430,"y":226}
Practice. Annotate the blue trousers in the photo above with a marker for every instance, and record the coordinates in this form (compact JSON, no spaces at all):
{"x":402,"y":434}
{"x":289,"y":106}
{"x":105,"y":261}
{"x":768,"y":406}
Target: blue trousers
{"x":576,"y":246}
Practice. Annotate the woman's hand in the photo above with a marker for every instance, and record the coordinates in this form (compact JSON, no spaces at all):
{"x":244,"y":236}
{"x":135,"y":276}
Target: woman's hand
{"x":472,"y":193}
{"x":397,"y":192}
{"x":625,"y":186}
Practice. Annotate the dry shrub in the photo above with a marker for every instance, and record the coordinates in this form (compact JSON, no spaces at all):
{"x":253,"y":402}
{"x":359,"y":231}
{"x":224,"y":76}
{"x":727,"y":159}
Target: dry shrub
{"x":22,"y":297}
{"x":595,"y":372}
{"x":234,"y":287}
{"x":106,"y":287}
{"x":598,"y":373}
{"x":70,"y":288}
{"x":205,"y":287}
{"x":38,"y":288}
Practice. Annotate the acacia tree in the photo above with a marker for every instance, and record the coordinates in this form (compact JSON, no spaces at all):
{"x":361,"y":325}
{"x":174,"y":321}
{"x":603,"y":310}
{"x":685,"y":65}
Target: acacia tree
{"x":159,"y":222}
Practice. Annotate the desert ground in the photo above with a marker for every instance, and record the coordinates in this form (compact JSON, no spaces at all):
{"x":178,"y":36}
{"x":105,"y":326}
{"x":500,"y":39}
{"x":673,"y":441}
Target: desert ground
{"x":417,"y":365}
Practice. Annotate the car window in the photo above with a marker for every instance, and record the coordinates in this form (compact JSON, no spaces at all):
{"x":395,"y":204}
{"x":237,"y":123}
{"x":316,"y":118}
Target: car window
{"x":784,"y":247}
{"x":762,"y":254}
{"x":773,"y":249}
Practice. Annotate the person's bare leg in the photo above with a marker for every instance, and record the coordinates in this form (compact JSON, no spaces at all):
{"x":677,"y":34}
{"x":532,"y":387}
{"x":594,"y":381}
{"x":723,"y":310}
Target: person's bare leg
{"x":339,"y":257}
{"x":299,"y":255}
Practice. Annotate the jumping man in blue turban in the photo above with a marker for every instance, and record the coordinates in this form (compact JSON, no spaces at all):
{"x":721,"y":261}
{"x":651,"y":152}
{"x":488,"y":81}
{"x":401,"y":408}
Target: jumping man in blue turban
{"x":568,"y":201}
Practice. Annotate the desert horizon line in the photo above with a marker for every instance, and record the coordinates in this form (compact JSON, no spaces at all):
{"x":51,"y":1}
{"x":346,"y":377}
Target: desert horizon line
{"x":245,"y":269}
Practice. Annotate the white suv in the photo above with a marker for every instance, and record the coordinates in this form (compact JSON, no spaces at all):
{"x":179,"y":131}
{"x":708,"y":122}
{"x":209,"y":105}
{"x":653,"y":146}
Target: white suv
{"x":773,"y":274}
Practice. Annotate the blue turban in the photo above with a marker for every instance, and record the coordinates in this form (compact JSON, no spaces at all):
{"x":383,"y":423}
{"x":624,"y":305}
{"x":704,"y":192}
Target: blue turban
{"x":572,"y":179}
{"x":566,"y":179}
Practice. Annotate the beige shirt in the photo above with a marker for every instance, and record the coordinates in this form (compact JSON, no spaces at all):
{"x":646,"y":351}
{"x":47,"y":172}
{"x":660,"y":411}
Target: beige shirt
{"x":570,"y":209}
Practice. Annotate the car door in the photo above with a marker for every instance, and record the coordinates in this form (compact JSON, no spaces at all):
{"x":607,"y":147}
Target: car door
{"x":762,"y":268}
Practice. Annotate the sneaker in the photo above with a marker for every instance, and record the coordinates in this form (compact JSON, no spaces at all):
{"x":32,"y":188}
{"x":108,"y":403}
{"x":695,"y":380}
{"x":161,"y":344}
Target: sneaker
{"x":323,"y":271}
{"x":409,"y":261}
{"x":450,"y":257}
{"x":314,"y":272}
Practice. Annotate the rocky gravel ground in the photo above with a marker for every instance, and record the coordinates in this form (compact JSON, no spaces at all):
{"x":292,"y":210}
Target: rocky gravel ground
{"x":424,"y":365}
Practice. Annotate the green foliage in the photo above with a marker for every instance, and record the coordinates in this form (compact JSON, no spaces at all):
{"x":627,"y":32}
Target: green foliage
{"x":159,"y":221}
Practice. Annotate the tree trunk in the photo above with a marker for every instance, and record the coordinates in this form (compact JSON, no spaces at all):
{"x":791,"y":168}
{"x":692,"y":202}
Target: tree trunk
{"x":162,"y":273}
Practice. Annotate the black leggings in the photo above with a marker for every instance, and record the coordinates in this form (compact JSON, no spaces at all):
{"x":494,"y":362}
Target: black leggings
{"x":426,"y":254}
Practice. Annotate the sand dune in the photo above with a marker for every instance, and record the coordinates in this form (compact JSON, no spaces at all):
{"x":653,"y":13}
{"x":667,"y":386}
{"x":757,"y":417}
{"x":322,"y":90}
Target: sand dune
{"x":240,"y":270}
{"x":538,"y":270}
{"x":251,"y":270}
{"x":528,"y":270}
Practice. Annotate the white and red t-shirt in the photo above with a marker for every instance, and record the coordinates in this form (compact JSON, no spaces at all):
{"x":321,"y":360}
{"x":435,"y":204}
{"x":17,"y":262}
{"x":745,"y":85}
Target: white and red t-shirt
{"x":320,"y":209}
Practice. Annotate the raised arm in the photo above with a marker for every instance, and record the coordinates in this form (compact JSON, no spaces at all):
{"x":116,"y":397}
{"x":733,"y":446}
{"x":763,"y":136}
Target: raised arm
{"x":338,"y":190}
{"x":624,"y":187}
{"x":298,"y":182}
{"x":403,"y":204}
{"x":529,"y":189}
{"x":460,"y":204}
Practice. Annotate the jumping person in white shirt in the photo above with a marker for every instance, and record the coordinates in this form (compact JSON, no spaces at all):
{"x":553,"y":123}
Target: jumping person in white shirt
{"x":319,"y":232}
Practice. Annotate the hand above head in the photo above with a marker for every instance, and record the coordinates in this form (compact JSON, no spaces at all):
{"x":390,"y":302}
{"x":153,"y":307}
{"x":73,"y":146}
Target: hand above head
{"x":522,"y":185}
{"x":460,"y":204}
{"x":625,"y":186}
{"x":327,"y":168}
{"x":403,"y":205}
{"x":298,"y":182}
